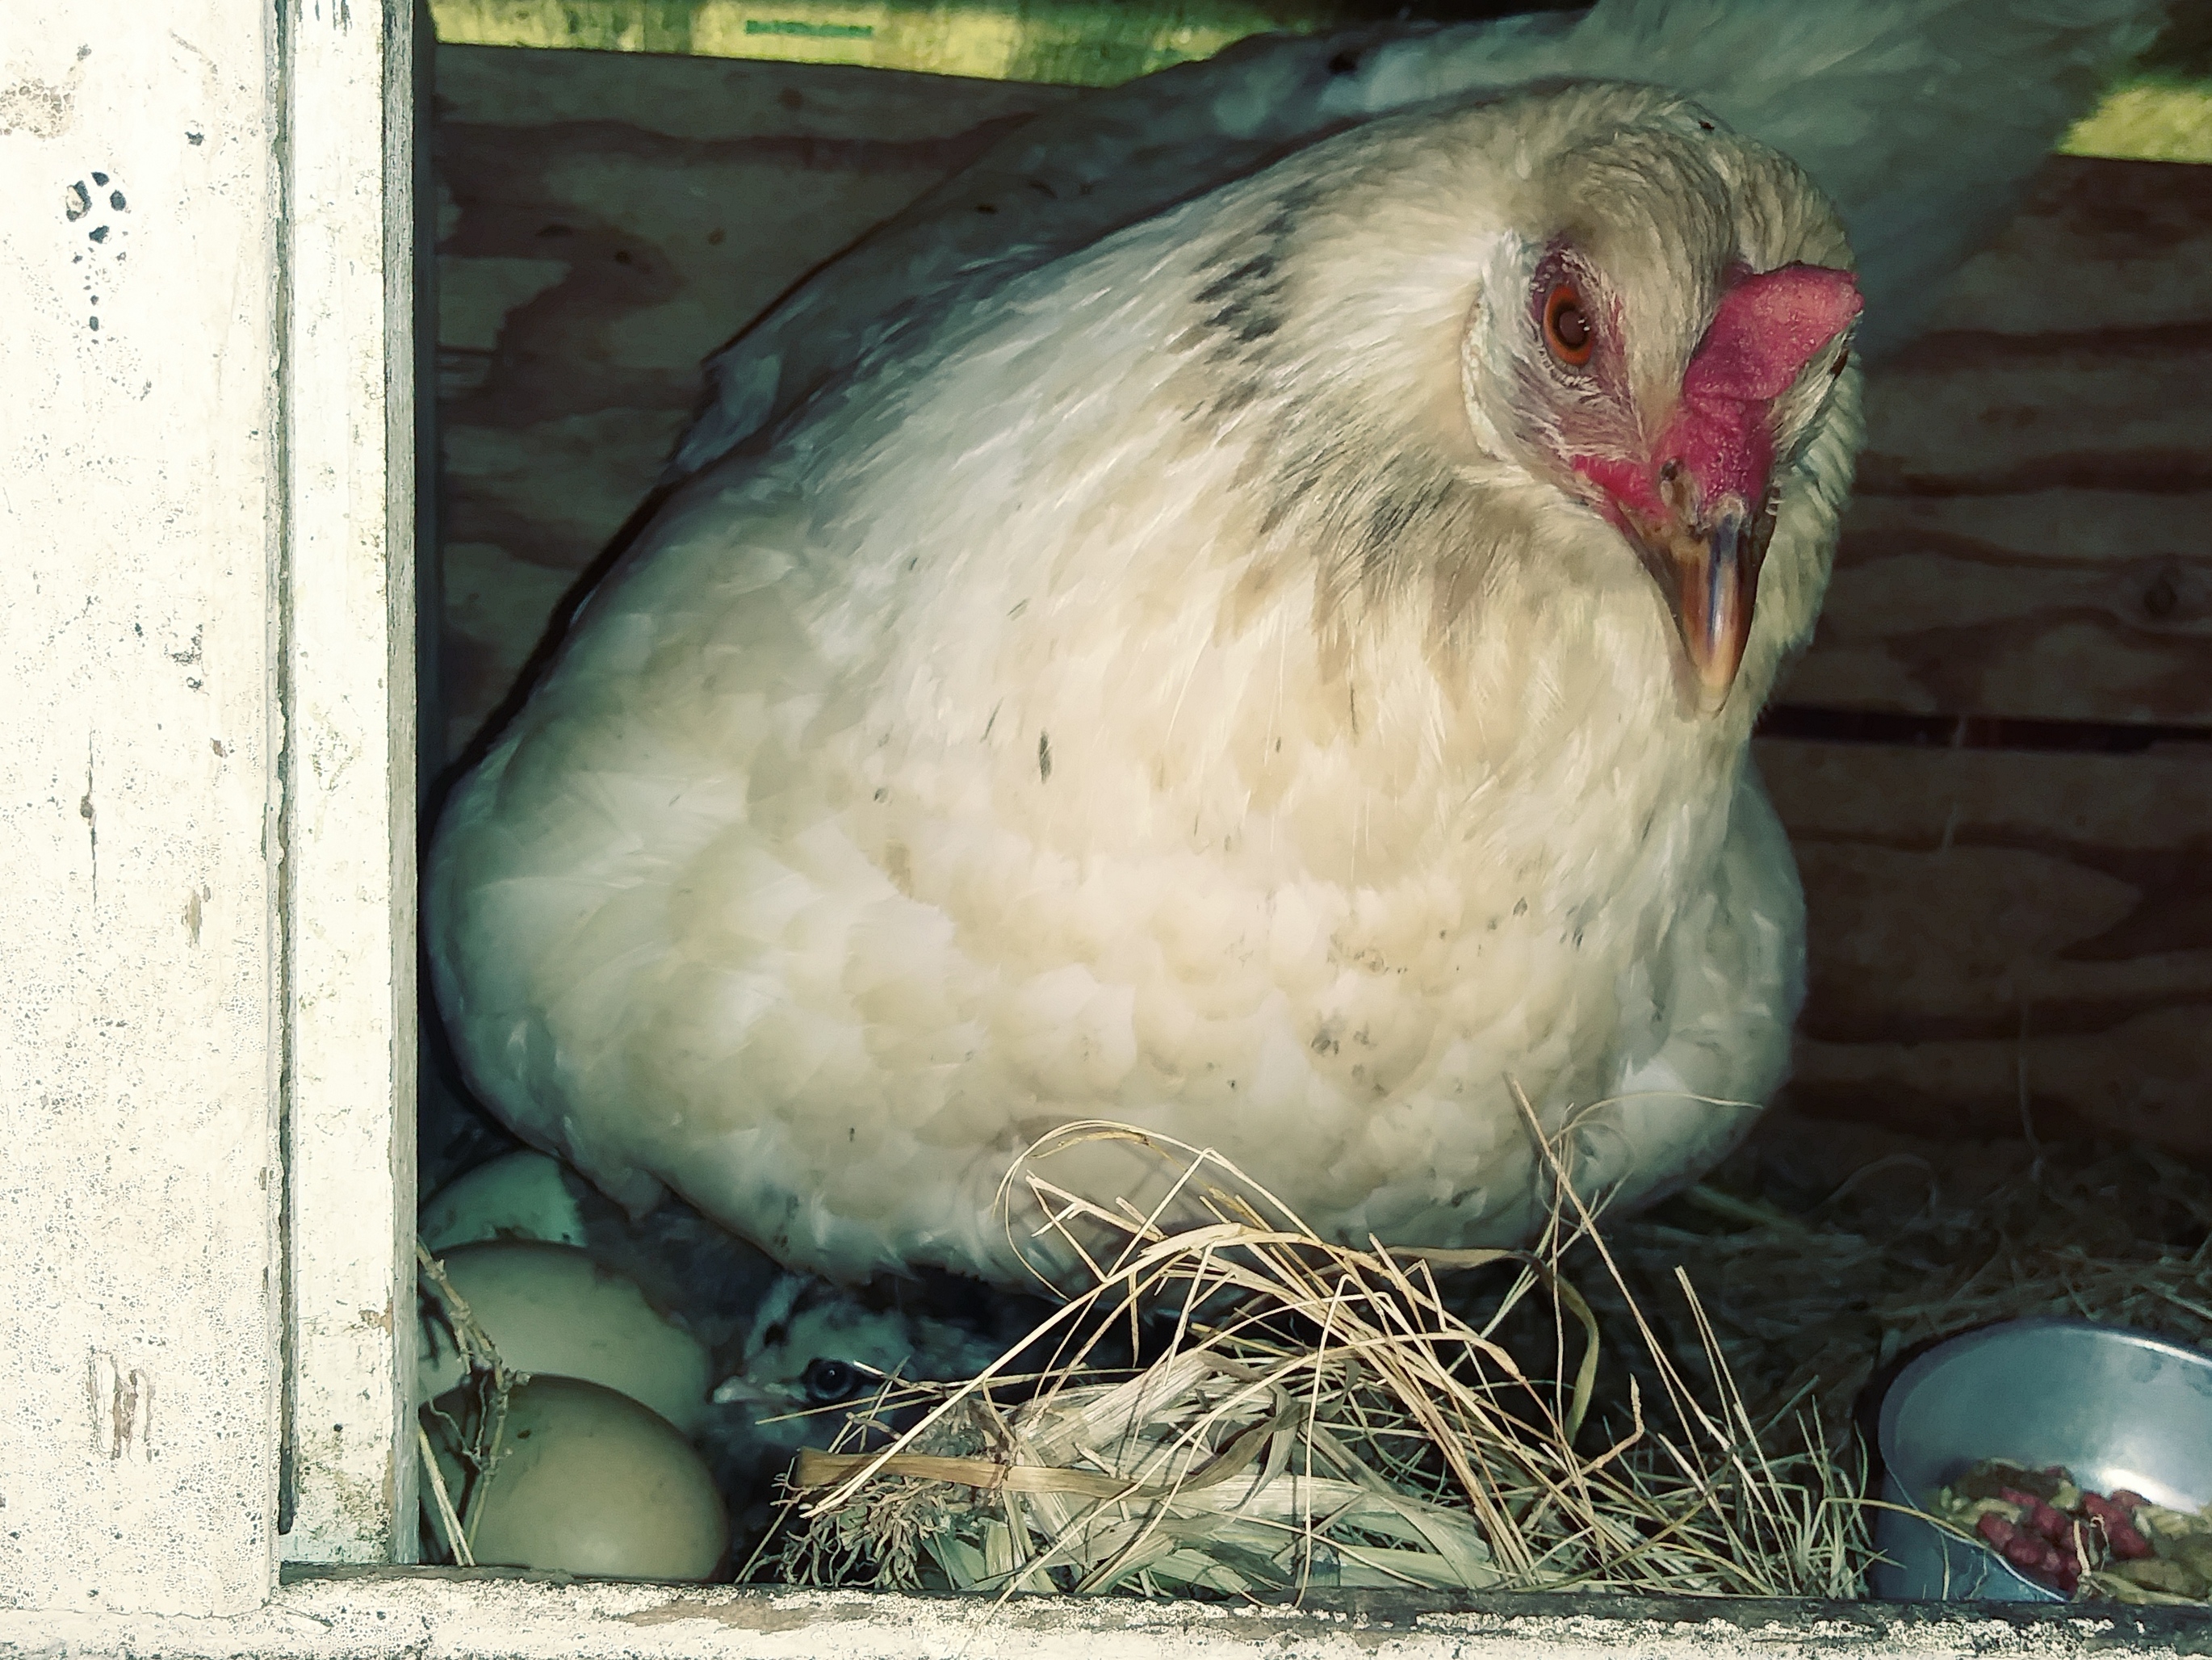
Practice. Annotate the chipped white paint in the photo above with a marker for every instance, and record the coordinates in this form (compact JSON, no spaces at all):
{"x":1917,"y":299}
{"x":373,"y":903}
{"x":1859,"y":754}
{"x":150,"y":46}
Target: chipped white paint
{"x":206,"y":488}
{"x":348,"y":895}
{"x":138,"y":505}
{"x":392,"y":1617}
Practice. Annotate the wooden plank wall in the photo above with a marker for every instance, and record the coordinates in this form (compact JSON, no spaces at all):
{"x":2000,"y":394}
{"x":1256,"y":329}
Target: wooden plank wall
{"x":1997,"y":761}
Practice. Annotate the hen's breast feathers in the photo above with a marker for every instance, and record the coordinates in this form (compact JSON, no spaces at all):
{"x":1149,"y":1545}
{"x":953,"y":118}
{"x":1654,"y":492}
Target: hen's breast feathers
{"x":1103,"y":717}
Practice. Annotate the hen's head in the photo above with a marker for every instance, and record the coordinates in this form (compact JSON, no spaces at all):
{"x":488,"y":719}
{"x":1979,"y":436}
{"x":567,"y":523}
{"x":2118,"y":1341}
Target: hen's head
{"x":1649,"y":316}
{"x":1661,"y":345}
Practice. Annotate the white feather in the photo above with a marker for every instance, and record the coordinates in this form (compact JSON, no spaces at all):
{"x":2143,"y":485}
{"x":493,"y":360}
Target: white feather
{"x":1923,"y":119}
{"x":1166,"y":691}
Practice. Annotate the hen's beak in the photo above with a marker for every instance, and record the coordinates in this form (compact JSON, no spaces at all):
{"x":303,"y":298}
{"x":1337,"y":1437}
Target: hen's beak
{"x":1706,"y":561}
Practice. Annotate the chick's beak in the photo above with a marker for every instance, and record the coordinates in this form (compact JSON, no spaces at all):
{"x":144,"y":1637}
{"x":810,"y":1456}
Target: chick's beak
{"x":739,"y":1390}
{"x":1705,"y":560}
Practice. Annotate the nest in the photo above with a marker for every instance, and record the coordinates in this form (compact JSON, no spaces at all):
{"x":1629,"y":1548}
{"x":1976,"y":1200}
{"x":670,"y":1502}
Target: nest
{"x":1808,"y":1296}
{"x":1318,"y":1415}
{"x":1577,"y":1416}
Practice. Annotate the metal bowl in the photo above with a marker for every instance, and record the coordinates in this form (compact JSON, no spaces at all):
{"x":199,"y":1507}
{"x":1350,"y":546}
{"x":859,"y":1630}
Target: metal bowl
{"x":2117,"y":1408}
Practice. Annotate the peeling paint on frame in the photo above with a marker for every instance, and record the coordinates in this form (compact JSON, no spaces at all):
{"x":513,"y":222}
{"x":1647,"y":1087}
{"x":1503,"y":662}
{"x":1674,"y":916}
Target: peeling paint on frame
{"x":138,"y":485}
{"x":206,"y":472}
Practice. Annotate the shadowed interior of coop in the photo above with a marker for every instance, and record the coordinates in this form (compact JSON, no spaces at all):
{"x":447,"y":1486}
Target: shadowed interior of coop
{"x":1991,"y":763}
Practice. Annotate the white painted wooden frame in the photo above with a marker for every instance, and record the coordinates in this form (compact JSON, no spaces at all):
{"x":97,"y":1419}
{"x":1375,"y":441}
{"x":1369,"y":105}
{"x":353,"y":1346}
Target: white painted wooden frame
{"x":207,"y":484}
{"x":207,"y":522}
{"x":348,"y":611}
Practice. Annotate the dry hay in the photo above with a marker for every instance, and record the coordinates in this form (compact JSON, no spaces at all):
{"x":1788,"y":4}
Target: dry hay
{"x":1576,"y":1416}
{"x":472,"y":1441}
{"x":1322,"y":1416}
{"x":1809,"y":1296}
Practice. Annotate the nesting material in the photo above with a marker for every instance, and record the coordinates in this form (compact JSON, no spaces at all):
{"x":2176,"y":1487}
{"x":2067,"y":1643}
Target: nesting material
{"x":1578,"y":1416}
{"x":1321,"y":1415}
{"x":1809,"y":1285}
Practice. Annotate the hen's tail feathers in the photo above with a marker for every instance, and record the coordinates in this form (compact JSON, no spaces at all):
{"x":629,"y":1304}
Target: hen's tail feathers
{"x":1924,"y":119}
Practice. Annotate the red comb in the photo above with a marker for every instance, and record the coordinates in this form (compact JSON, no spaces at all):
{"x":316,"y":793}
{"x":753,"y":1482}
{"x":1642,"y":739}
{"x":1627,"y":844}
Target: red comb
{"x":1766,"y":330}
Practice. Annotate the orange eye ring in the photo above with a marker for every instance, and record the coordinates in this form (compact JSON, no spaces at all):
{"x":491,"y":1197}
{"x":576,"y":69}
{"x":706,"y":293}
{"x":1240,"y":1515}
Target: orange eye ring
{"x":1567,"y":330}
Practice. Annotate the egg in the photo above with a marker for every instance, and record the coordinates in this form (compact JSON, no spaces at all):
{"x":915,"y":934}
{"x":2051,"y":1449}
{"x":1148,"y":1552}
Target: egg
{"x":585,"y":1481}
{"x":550,"y":1309}
{"x":518,"y":1196}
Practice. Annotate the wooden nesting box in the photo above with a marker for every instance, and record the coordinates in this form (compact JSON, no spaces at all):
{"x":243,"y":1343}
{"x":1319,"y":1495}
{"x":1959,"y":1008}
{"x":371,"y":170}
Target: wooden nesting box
{"x":1994,"y":762}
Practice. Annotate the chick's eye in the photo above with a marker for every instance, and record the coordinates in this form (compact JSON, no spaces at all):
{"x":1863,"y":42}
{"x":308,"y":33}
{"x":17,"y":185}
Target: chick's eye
{"x":1567,"y":330}
{"x":825,"y":1381}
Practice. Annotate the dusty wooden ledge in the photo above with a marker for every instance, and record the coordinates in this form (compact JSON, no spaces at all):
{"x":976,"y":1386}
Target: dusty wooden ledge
{"x":336,"y":1615}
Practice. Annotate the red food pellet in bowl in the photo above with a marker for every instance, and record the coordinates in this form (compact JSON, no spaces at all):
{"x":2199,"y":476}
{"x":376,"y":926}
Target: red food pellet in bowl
{"x":2120,"y":1534}
{"x":2035,"y":1513}
{"x":2033,"y":1555}
{"x":2023,"y":1552}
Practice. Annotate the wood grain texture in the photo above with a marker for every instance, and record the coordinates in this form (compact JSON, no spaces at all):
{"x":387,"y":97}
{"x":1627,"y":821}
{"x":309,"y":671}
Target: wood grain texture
{"x":1987,"y":923}
{"x":2029,"y":537}
{"x":606,"y":220}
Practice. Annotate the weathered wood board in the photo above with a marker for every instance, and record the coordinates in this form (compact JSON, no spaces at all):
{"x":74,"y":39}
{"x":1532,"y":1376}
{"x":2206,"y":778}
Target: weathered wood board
{"x":2027,"y":543}
{"x":2029,"y":536}
{"x":606,"y":220}
{"x":1988,"y":926}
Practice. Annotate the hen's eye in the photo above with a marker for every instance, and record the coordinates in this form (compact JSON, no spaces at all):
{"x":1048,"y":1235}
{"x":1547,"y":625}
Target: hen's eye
{"x":1567,"y":325}
{"x":825,"y":1381}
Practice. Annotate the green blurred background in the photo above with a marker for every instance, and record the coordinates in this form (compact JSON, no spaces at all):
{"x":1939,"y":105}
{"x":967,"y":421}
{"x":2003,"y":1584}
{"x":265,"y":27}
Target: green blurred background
{"x":2163,"y":111}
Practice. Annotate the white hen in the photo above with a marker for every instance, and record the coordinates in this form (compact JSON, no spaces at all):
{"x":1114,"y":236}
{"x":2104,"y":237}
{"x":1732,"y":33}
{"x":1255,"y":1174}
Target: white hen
{"x":1922,"y":120}
{"x":1218,"y":683}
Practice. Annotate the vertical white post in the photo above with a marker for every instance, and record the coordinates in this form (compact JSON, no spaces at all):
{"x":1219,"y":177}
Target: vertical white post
{"x":206,"y":521}
{"x":141,"y":516}
{"x":349,"y":885}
